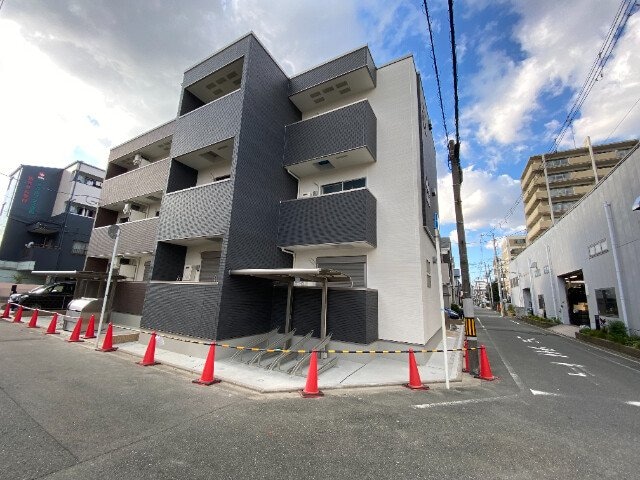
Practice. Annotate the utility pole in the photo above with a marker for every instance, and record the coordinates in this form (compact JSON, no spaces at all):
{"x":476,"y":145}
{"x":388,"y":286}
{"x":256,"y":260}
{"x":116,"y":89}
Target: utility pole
{"x":487,"y":276}
{"x":498,"y":273}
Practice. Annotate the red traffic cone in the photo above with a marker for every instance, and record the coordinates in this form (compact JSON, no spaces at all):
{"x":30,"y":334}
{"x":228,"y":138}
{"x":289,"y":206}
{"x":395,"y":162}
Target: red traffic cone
{"x":75,"y":335}
{"x":207,"y":371}
{"x":33,"y":323}
{"x":149,"y":355}
{"x":107,"y":344}
{"x":18,"y":316}
{"x":311,"y":387}
{"x":7,"y":311}
{"x":52,"y":326}
{"x":485,"y":368}
{"x":414,"y":376}
{"x":90,"y":328}
{"x":466,"y":357}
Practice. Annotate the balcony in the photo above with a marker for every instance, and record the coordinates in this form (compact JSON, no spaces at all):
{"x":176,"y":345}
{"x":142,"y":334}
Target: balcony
{"x":141,"y":182}
{"x":538,"y":229}
{"x":341,"y":138}
{"x":347,"y":75}
{"x":195,"y":212}
{"x":208,"y":124}
{"x":153,"y":144}
{"x":539,"y":196}
{"x":335,"y":219}
{"x":136,"y":238}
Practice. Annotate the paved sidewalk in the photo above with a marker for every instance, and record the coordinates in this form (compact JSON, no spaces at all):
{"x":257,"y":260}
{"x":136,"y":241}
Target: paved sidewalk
{"x":566,"y":330}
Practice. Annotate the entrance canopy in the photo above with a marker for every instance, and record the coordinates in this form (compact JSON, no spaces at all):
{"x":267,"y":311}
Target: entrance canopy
{"x":288,"y":275}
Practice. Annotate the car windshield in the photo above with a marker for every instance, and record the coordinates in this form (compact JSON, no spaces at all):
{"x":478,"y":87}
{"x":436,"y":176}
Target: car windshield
{"x":40,"y":289}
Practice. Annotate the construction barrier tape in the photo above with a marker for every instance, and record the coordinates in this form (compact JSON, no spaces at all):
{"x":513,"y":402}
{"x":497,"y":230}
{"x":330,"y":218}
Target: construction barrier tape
{"x":270,"y":350}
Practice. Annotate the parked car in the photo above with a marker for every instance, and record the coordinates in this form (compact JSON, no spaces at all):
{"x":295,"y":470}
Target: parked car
{"x":452,"y":315}
{"x":55,"y":296}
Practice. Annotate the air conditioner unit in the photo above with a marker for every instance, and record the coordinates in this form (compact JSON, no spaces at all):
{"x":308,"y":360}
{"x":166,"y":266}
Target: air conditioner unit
{"x":188,"y":272}
{"x":314,"y":193}
{"x":140,"y":161}
{"x":127,"y":209}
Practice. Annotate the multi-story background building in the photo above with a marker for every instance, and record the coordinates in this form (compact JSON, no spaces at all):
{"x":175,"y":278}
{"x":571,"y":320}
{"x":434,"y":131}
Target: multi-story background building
{"x":570,"y":175}
{"x":510,"y":248}
{"x":332,"y":168}
{"x":47,"y":219}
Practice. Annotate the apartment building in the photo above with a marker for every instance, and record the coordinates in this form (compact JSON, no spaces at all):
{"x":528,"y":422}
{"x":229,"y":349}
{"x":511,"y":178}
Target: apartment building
{"x":571,"y":174}
{"x":510,"y":247}
{"x":333,"y":168}
{"x":47,"y":218}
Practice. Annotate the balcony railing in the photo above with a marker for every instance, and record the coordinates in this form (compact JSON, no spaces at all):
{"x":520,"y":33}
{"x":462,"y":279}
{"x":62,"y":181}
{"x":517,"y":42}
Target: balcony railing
{"x":340,"y":218}
{"x":136,"y":183}
{"x":136,"y":238}
{"x":201,"y":211}
{"x":342,"y":137}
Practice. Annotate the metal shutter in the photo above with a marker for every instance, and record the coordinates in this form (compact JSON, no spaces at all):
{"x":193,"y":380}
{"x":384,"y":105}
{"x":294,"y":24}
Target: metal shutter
{"x":146,"y":275}
{"x":355,"y":267}
{"x":209,"y":266}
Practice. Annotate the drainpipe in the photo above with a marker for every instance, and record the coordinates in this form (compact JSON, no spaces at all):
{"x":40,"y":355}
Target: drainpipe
{"x":552,"y":280}
{"x":533,"y":290}
{"x":616,"y":260}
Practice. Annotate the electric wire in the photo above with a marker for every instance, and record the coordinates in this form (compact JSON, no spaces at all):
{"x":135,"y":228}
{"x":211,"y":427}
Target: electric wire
{"x":622,"y":120}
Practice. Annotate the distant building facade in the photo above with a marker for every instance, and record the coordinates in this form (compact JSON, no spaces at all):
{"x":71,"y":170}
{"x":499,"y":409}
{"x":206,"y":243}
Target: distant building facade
{"x":47,"y":218}
{"x":586,"y":267}
{"x":510,"y":248}
{"x":570,"y":175}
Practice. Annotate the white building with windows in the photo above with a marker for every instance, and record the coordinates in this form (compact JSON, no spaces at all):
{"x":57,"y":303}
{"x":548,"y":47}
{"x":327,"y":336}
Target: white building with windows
{"x":587,"y":264}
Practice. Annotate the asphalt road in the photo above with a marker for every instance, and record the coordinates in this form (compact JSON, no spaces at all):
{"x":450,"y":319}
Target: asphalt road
{"x":67,"y":412}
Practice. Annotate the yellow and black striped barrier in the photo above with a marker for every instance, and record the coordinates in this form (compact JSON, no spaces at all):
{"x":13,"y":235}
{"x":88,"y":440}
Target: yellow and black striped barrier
{"x":470,"y":327}
{"x":284,"y":350}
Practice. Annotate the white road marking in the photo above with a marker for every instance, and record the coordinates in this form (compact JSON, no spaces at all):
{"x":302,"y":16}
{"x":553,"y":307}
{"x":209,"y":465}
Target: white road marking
{"x":513,"y":321}
{"x":540,"y":392}
{"x":510,"y":369}
{"x":528,"y":340}
{"x":548,"y":352}
{"x":635,"y":404}
{"x":578,"y":370}
{"x":462,"y":402}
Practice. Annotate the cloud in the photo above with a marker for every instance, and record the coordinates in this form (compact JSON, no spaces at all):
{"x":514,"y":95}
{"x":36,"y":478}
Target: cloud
{"x":486,"y":199}
{"x":559,"y":42}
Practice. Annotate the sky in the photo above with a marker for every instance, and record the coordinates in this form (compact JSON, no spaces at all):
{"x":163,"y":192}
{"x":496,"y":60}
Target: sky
{"x":80,"y":77}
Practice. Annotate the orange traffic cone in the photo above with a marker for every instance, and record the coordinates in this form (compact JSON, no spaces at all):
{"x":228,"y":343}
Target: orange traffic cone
{"x":414,"y":376}
{"x":207,"y":371}
{"x":52,"y":326}
{"x":75,"y":335}
{"x":90,"y":328}
{"x":311,"y":387}
{"x":18,"y":316}
{"x":485,"y":368}
{"x":7,"y":311}
{"x":33,"y":323}
{"x":466,"y":357}
{"x":107,"y":344}
{"x":149,"y":355}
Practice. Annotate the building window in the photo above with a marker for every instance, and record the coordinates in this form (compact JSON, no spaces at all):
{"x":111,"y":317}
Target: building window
{"x":558,"y":177}
{"x":79,"y":248}
{"x":562,"y":207}
{"x":428,"y":274}
{"x":560,"y":162}
{"x":606,"y":300}
{"x":88,"y":180}
{"x":344,"y":186}
{"x":82,"y":210}
{"x":561,"y":192}
{"x":546,"y":269}
{"x":515,"y":281}
{"x":598,"y":248}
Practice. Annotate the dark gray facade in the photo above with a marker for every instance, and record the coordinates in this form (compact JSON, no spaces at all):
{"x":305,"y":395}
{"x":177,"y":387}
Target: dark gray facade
{"x":340,"y":130}
{"x":338,"y":218}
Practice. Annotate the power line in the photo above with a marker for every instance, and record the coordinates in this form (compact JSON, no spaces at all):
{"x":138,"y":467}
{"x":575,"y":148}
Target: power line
{"x":435,"y":68}
{"x":622,"y":120}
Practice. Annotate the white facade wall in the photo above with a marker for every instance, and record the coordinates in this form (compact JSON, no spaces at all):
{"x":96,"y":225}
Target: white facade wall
{"x":569,"y":242}
{"x":80,"y":193}
{"x":408,"y":310}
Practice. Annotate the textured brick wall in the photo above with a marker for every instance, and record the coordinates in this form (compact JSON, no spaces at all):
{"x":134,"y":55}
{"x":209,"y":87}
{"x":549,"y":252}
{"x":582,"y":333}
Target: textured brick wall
{"x":135,"y":238}
{"x":181,"y":308}
{"x":136,"y":183}
{"x":196,"y":212}
{"x":352,"y":315}
{"x":147,"y":138}
{"x":346,"y":63}
{"x":338,"y":218}
{"x":343,"y":129}
{"x":260,"y":183}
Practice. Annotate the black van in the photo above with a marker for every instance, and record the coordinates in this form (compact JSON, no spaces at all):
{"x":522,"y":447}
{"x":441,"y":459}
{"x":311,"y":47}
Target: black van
{"x":55,"y":296}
